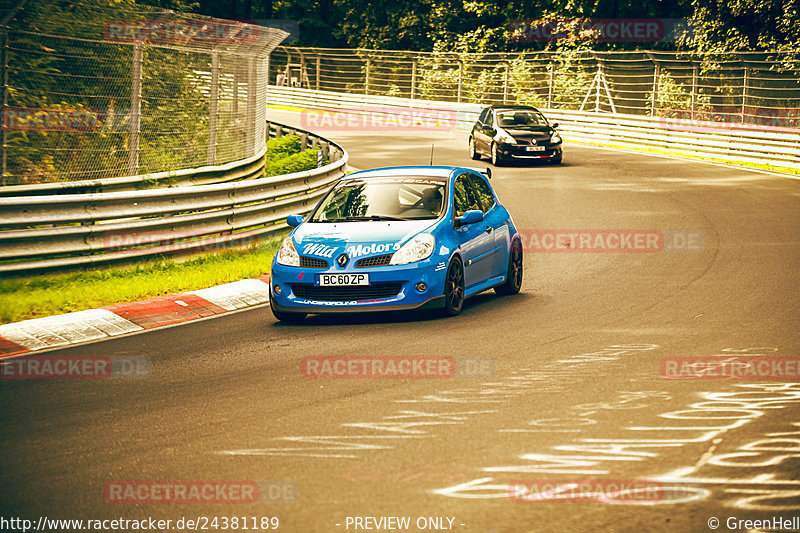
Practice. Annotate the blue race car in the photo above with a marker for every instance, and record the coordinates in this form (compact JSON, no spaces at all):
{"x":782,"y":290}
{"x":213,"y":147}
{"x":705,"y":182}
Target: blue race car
{"x":397,"y":238}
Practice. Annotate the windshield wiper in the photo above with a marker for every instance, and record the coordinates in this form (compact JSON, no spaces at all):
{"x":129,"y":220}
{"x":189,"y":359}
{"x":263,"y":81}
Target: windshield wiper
{"x":371,"y":217}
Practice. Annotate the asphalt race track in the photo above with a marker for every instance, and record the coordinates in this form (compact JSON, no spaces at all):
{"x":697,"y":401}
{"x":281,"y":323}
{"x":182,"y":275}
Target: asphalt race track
{"x":581,"y":414}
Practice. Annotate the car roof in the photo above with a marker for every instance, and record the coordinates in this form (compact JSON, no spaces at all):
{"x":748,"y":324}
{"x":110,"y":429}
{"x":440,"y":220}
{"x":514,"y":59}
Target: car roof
{"x":441,"y":171}
{"x":512,"y":107}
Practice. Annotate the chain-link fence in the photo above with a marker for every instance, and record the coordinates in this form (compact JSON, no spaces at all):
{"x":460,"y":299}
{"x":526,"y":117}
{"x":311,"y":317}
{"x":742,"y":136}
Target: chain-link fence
{"x":99,"y":90}
{"x":753,"y":89}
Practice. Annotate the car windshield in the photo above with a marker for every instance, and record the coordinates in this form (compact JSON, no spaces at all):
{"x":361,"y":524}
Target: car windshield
{"x":520,"y":119}
{"x":383,"y":198}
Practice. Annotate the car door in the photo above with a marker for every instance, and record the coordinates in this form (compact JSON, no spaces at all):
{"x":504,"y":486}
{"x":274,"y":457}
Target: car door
{"x":477,"y":131}
{"x":487,"y":132}
{"x":474,"y":240}
{"x":495,"y":224}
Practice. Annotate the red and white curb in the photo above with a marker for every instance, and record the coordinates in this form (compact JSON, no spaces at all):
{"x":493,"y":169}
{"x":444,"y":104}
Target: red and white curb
{"x":121,"y":319}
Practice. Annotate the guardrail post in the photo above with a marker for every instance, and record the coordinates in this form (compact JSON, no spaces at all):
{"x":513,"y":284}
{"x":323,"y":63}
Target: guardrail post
{"x":303,"y":142}
{"x":213,"y":109}
{"x":136,"y":110}
{"x":551,"y":85}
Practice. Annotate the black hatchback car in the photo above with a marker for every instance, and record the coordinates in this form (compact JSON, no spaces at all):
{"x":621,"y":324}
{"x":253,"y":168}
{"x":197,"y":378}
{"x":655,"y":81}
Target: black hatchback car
{"x":514,"y":132}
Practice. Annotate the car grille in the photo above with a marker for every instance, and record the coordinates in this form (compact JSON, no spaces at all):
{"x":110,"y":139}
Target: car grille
{"x":312,"y":262}
{"x":346,"y":293}
{"x":377,"y":261}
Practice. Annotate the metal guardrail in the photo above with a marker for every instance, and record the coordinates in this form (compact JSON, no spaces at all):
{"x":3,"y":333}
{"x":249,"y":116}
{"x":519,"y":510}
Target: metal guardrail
{"x":730,"y":142}
{"x":56,"y":231}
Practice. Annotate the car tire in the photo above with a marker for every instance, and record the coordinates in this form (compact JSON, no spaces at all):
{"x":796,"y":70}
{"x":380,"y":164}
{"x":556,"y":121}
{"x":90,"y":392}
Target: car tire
{"x":473,"y":153}
{"x":556,"y":160}
{"x":513,"y":282}
{"x":283,"y":316}
{"x":496,"y":159}
{"x":454,"y":288}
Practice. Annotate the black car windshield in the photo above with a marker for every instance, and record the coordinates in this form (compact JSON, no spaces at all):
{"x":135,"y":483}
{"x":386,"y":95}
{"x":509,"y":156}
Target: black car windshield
{"x":520,"y":119}
{"x":383,"y":198}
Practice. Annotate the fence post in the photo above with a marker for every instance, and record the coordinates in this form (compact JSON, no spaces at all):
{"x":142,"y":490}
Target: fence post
{"x":250,"y":139}
{"x":744,"y":94}
{"x":695,"y":73}
{"x":460,"y":78}
{"x":505,"y":84}
{"x":3,"y":133}
{"x":213,"y":109}
{"x":551,"y":86}
{"x":654,"y":94}
{"x":316,"y":72}
{"x":413,"y":78}
{"x":136,"y":110}
{"x":366,"y":76}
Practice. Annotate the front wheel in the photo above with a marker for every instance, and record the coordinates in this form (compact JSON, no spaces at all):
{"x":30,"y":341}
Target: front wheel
{"x":513,"y":282}
{"x":556,"y":160}
{"x":496,"y":159}
{"x":454,"y":288}
{"x":473,"y":153}
{"x":283,"y":316}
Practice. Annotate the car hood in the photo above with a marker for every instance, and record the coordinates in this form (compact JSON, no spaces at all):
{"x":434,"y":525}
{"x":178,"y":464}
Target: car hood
{"x":540,"y":133}
{"x":327,"y":239}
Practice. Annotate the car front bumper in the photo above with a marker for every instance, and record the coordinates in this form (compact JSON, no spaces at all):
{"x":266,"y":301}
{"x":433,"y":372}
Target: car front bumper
{"x":517,"y":151}
{"x":391,"y":287}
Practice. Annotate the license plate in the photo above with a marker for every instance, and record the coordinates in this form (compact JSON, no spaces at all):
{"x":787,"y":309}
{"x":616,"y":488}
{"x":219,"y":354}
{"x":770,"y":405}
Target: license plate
{"x":534,"y":148}
{"x":335,"y":280}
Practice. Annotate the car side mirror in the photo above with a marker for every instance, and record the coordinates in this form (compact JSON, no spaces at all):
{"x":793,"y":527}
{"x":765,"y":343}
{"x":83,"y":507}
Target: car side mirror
{"x":470,"y":217}
{"x":294,"y":220}
{"x":555,"y":125}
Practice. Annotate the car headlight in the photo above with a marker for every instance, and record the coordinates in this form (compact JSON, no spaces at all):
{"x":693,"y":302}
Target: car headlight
{"x":556,"y":138}
{"x":504,"y":137}
{"x":418,"y":248}
{"x":287,"y":255}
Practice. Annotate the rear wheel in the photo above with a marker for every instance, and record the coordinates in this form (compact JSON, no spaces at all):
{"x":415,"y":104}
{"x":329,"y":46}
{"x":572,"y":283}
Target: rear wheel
{"x":496,"y":159}
{"x":283,"y":316}
{"x":454,"y":288}
{"x":473,"y":153}
{"x":513,"y":282}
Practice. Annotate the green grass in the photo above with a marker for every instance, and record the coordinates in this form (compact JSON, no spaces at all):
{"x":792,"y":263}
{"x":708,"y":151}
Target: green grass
{"x":760,"y":166}
{"x":22,"y":298}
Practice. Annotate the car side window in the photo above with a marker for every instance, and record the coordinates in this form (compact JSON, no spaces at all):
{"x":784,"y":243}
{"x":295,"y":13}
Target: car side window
{"x":484,"y":114}
{"x":464,"y":196}
{"x":489,"y":119}
{"x":483,"y":191}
